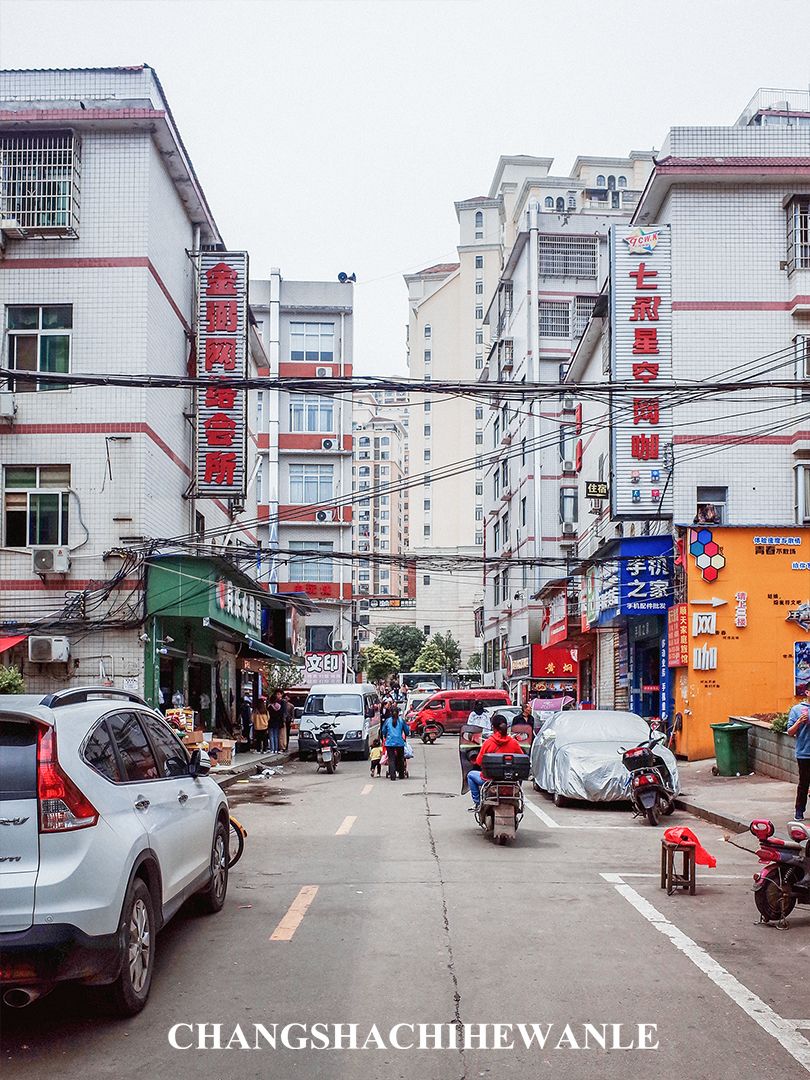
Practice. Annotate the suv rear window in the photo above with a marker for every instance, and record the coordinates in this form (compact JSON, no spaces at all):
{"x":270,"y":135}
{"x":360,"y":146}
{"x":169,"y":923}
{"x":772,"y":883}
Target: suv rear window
{"x":18,"y":760}
{"x":133,"y":746}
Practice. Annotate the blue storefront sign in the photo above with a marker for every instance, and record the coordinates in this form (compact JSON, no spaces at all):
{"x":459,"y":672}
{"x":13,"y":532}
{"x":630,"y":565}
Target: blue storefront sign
{"x":637,"y":579}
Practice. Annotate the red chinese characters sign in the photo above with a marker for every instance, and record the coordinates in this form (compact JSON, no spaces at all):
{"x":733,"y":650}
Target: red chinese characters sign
{"x":641,"y":355}
{"x":555,"y":663}
{"x":678,"y":636}
{"x":222,"y":326}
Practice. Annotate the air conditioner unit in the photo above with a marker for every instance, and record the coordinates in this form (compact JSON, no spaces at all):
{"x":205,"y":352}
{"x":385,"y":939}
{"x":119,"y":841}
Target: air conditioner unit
{"x":50,"y":560}
{"x":328,"y":444}
{"x":568,"y":528}
{"x":324,"y":515}
{"x":338,"y":645}
{"x":323,"y":372}
{"x":11,"y":227}
{"x":568,"y":402}
{"x":8,"y":406}
{"x":48,"y":650}
{"x":363,"y":589}
{"x":568,"y":466}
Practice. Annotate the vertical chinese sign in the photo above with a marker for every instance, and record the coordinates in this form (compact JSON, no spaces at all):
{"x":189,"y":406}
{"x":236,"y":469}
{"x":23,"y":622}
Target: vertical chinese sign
{"x":222,"y":328}
{"x":641,"y":355}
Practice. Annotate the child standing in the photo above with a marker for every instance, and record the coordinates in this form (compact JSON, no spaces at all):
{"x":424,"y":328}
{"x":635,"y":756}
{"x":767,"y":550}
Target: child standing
{"x":376,"y":758}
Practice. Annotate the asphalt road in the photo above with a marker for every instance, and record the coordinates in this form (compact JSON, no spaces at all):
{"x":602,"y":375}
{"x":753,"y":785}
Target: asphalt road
{"x":410,"y":915}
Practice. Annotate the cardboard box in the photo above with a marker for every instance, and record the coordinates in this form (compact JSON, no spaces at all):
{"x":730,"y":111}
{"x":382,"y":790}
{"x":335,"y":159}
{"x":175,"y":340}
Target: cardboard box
{"x":194,"y":738}
{"x":223,"y":750}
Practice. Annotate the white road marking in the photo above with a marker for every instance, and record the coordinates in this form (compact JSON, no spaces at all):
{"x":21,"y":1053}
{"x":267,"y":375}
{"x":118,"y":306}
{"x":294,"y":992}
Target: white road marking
{"x":725,"y":877}
{"x":552,"y":824}
{"x":799,"y":1023}
{"x":784,"y":1031}
{"x":345,"y":825}
{"x":295,"y":913}
{"x":367,"y":789}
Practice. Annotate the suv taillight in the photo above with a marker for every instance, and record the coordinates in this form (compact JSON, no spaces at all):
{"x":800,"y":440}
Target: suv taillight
{"x":61,"y":805}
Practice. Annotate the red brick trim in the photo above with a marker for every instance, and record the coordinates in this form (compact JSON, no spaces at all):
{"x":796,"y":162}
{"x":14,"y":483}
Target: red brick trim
{"x":56,"y":584}
{"x":7,"y":116}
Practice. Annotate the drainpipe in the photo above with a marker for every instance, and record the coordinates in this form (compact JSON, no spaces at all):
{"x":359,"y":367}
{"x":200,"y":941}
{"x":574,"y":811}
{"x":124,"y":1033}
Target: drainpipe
{"x":533,"y":375}
{"x":341,"y":467}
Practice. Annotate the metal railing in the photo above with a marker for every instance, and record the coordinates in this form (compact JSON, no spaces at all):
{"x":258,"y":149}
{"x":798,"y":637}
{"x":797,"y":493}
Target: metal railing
{"x":40,"y":178}
{"x":771,"y":99}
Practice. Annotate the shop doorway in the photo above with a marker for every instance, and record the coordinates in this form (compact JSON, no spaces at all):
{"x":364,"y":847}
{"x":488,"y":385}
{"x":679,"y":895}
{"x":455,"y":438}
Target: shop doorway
{"x":646,"y":693}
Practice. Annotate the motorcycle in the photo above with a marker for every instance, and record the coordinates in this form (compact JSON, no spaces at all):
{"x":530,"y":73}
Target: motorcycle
{"x":327,"y":753}
{"x":651,"y":790}
{"x":501,"y":807}
{"x":430,"y":732}
{"x":784,"y":880}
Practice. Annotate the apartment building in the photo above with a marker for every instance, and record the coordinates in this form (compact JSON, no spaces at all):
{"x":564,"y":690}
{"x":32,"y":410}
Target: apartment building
{"x":691,"y":539}
{"x":111,"y":263}
{"x":304,"y":480}
{"x":555,"y":232}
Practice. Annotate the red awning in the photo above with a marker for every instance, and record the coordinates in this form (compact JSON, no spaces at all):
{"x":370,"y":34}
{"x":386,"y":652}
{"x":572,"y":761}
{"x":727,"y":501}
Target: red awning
{"x":7,"y":643}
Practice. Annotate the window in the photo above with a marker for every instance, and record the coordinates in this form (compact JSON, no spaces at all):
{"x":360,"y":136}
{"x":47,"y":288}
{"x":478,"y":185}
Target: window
{"x":600,"y":181}
{"x":99,"y":753}
{"x":38,"y":340}
{"x":385,"y":575}
{"x":505,"y":475}
{"x":548,"y":202}
{"x":479,"y":513}
{"x":199,"y":523}
{"x":711,"y":505}
{"x":569,"y":505}
{"x":385,"y":470}
{"x":364,"y":441}
{"x":385,"y":441}
{"x":479,"y":288}
{"x":505,"y":527}
{"x":611,"y":183}
{"x":307,"y":568}
{"x":622,"y":181}
{"x":318,"y":638}
{"x":312,"y":341}
{"x":426,"y":579}
{"x":555,"y":318}
{"x":505,"y":416}
{"x":803,"y":494}
{"x":496,"y":431}
{"x":479,"y":438}
{"x":426,"y":454}
{"x":259,"y":409}
{"x":583,"y":308}
{"x":496,"y":535}
{"x":496,"y":484}
{"x":426,"y":406}
{"x":479,"y":337}
{"x":479,"y":311}
{"x":568,"y":442}
{"x":523,"y":451}
{"x":479,"y":225}
{"x":364,"y":470}
{"x":428,"y":330}
{"x":40,"y":189}
{"x":311,"y":484}
{"x":172,"y":756}
{"x":496,"y":589}
{"x":426,"y":630}
{"x":426,"y":532}
{"x":479,"y":412}
{"x":798,"y":233}
{"x":36,"y":505}
{"x":426,"y":504}
{"x":428,"y":356}
{"x":133,"y":746}
{"x":572,"y":202}
{"x":310,"y":412}
{"x":479,"y":487}
{"x":479,"y":362}
{"x":479,"y":538}
{"x":523,"y":511}
{"x":479,"y":262}
{"x":426,"y":479}
{"x":559,"y":206}
{"x":426,"y":429}
{"x":568,"y":256}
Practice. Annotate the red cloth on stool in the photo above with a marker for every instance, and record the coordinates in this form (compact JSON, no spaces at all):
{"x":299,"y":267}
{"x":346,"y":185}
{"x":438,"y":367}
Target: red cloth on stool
{"x":679,"y":834}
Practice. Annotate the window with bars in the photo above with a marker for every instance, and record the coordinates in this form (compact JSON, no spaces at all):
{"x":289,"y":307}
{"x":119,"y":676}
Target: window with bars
{"x":40,"y":180}
{"x":309,"y":568}
{"x":555,"y":318}
{"x":583,"y":309}
{"x":568,"y":256}
{"x":798,"y":233}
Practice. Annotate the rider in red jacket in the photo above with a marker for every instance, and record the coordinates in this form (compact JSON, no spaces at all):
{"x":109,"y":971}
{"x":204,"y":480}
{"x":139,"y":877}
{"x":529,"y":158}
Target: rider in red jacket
{"x":499,"y":742}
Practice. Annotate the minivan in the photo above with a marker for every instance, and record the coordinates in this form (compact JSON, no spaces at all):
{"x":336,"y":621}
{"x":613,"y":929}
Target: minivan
{"x":449,"y":709}
{"x":354,"y":709}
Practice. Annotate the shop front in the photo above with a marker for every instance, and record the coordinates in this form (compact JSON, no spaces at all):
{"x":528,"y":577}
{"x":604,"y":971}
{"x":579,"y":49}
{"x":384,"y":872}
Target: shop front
{"x":538,"y":674}
{"x":205,"y":619}
{"x":740,"y":642}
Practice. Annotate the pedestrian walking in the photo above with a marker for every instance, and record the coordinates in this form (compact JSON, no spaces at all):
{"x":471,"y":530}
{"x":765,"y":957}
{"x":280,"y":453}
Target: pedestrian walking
{"x":395,"y":732}
{"x":799,"y":727}
{"x":276,"y":722}
{"x":245,"y":710}
{"x":376,"y":758}
{"x":260,"y":718}
{"x":287,"y":712}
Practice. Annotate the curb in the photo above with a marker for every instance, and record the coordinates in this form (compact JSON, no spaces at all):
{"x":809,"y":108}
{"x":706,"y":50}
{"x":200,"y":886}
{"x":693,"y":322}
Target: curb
{"x":726,"y":821}
{"x":249,"y":768}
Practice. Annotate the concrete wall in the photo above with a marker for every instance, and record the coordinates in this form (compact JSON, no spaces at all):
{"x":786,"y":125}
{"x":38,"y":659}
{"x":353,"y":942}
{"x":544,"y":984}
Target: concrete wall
{"x":771,"y":753}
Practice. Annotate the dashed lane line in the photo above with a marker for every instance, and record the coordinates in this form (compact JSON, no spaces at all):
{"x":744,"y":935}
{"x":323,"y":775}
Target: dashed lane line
{"x":367,"y":790}
{"x":346,"y":825}
{"x":295,"y":914}
{"x":784,"y":1031}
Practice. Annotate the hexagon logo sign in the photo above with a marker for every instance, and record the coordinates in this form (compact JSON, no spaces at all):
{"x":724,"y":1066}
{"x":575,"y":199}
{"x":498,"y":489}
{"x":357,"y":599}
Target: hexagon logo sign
{"x":707,"y":553}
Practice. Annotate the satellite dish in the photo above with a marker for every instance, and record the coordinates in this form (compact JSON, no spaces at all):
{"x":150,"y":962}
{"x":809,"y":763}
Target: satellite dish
{"x":345,"y":278}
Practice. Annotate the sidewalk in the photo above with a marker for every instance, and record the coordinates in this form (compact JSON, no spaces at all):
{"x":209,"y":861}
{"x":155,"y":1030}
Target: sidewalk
{"x":733,"y":802}
{"x":245,"y":765}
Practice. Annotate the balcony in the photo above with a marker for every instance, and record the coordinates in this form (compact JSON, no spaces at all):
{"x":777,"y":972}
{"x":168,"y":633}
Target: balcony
{"x":40,"y":178}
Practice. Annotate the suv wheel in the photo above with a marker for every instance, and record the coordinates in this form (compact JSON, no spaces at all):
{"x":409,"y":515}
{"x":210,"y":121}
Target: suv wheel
{"x":137,"y":937}
{"x":212,"y":897}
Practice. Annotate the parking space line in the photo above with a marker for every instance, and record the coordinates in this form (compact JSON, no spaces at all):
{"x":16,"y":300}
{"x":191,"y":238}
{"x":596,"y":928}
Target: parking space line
{"x":367,"y":789}
{"x":784,"y":1031}
{"x":544,"y":817}
{"x":725,"y":877}
{"x":552,"y":824}
{"x":295,"y":913}
{"x":345,"y":825}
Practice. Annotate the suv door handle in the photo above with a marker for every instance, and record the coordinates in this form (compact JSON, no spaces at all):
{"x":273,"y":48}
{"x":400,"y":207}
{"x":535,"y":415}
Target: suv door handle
{"x":142,"y":804}
{"x":182,"y":797}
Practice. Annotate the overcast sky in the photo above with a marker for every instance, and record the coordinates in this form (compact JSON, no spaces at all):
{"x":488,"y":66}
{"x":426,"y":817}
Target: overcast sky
{"x":336,"y":136}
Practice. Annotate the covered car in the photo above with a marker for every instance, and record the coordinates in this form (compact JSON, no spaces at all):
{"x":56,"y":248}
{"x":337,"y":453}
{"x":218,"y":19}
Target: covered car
{"x":577,"y":754}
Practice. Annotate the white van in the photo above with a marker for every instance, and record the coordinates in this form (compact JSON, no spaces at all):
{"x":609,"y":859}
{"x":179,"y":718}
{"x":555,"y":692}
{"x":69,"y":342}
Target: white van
{"x":354,"y":709}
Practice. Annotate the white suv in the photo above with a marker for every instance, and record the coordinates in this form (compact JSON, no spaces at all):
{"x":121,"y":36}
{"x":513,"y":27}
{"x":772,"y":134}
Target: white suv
{"x":107,"y":825}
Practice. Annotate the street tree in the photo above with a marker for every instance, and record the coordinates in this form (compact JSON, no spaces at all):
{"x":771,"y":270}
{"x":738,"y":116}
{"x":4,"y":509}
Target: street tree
{"x":430,"y":659}
{"x":406,"y":641}
{"x":378,"y":663}
{"x":11,"y":681}
{"x":474,"y":662}
{"x":281,"y":676}
{"x":449,"y":649}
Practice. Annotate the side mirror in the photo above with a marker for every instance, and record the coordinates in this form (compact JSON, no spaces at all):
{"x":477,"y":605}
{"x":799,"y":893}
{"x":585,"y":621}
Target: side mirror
{"x":298,"y":712}
{"x":200,"y":764}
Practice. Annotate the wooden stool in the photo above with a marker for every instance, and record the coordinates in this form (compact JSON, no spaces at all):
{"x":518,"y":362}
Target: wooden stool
{"x":670,"y":878}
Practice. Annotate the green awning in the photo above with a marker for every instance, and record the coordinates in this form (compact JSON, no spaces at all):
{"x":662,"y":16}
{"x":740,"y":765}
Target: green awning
{"x":268,"y":650}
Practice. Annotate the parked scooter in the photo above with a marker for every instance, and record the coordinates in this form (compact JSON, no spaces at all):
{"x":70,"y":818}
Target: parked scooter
{"x":501,"y":807}
{"x":651,"y":790}
{"x":430,"y":732}
{"x":327,"y":752}
{"x":784,"y":880}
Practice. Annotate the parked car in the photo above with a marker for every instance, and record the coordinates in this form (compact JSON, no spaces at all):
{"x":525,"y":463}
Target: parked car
{"x":449,"y":709}
{"x":577,"y":754}
{"x":109,"y":826}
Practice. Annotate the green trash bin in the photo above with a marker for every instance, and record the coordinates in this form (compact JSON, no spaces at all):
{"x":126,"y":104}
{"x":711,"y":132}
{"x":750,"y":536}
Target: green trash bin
{"x":731,"y":748}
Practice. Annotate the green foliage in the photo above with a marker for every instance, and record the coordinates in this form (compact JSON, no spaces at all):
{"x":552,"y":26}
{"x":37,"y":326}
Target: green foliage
{"x":281,"y":676}
{"x":780,"y":722}
{"x":474,"y":662}
{"x":430,"y":659}
{"x":377,"y":662}
{"x":11,"y":681}
{"x":406,"y":641}
{"x":449,"y":649}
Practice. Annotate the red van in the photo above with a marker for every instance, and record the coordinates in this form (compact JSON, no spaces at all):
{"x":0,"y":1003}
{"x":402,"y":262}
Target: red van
{"x":450,"y":709}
